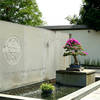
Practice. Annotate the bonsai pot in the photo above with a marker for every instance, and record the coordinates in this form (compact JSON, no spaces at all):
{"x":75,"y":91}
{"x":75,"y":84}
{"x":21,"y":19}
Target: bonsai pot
{"x":47,"y":91}
{"x":74,"y":66}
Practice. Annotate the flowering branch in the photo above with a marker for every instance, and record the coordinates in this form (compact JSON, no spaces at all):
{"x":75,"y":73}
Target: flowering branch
{"x":74,"y":48}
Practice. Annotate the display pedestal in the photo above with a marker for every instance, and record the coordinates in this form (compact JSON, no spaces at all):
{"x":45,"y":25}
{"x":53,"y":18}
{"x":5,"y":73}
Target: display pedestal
{"x":75,"y":78}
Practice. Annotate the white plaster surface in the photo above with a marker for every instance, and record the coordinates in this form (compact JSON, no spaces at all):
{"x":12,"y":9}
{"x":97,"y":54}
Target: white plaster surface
{"x":28,"y":54}
{"x":90,"y":41}
{"x":61,"y":62}
{"x":12,"y":50}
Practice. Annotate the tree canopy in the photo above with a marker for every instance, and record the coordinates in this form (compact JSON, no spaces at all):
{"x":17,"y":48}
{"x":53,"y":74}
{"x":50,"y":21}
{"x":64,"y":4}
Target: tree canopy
{"x":20,"y":11}
{"x":89,"y":14}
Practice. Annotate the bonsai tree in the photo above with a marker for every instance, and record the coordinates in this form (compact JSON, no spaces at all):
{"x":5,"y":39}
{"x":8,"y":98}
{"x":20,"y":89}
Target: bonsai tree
{"x":74,"y":48}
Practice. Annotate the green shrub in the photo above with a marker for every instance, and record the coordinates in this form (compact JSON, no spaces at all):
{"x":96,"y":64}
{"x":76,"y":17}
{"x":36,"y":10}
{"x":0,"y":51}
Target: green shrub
{"x":98,"y":62}
{"x":87,"y":62}
{"x":47,"y":88}
{"x":93,"y":62}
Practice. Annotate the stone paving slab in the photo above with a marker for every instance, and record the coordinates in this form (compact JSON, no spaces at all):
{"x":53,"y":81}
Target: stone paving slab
{"x":93,"y":96}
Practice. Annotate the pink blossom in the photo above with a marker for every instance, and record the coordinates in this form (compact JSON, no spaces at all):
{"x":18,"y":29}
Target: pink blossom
{"x":85,"y":52}
{"x":72,"y":41}
{"x":74,"y":47}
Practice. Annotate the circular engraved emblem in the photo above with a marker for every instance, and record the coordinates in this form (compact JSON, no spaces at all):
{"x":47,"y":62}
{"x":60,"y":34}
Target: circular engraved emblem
{"x":12,"y":50}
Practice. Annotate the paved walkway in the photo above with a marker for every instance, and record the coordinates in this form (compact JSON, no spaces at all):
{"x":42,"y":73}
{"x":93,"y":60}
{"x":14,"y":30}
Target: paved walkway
{"x":96,"y":94}
{"x":93,"y":96}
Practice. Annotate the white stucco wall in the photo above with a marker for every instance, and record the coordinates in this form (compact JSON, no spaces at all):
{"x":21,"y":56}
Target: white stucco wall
{"x":61,"y":61}
{"x":90,"y":40}
{"x":29,"y":55}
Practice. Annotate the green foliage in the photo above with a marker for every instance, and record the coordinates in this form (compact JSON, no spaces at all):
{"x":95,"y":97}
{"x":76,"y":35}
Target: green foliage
{"x":98,"y":62}
{"x":93,"y":62}
{"x":89,"y":14}
{"x":86,"y":62}
{"x":74,"y":19}
{"x":46,"y":87}
{"x":20,"y":11}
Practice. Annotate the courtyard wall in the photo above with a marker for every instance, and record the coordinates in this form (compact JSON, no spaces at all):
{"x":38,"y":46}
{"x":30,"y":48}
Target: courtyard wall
{"x":89,"y":39}
{"x":29,"y":55}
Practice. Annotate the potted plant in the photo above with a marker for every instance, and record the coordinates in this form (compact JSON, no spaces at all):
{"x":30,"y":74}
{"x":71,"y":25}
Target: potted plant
{"x":73,"y":47}
{"x":47,"y":88}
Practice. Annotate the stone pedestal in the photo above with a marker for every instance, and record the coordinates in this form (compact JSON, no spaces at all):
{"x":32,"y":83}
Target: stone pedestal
{"x":75,"y":78}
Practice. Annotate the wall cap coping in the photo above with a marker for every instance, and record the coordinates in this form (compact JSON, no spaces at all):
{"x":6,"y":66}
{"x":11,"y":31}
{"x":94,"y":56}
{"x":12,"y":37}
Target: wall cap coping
{"x":66,"y":27}
{"x":13,"y":97}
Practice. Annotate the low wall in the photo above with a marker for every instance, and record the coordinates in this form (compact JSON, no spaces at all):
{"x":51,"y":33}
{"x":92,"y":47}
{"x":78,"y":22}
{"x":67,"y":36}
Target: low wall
{"x":29,"y":55}
{"x":12,"y":97}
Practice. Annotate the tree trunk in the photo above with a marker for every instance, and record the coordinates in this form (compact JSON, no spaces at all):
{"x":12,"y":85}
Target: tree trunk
{"x":75,"y":60}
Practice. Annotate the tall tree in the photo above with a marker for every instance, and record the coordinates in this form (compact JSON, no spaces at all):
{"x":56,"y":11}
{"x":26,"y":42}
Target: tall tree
{"x":89,"y":14}
{"x":20,"y":11}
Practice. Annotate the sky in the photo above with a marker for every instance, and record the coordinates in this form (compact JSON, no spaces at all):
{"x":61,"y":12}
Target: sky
{"x":54,"y":12}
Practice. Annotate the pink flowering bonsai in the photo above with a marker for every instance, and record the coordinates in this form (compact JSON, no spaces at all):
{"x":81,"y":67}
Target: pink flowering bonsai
{"x":74,"y":48}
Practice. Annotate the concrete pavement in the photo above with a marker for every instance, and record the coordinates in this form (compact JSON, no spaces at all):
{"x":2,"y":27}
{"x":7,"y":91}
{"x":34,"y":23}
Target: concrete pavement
{"x":93,"y":96}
